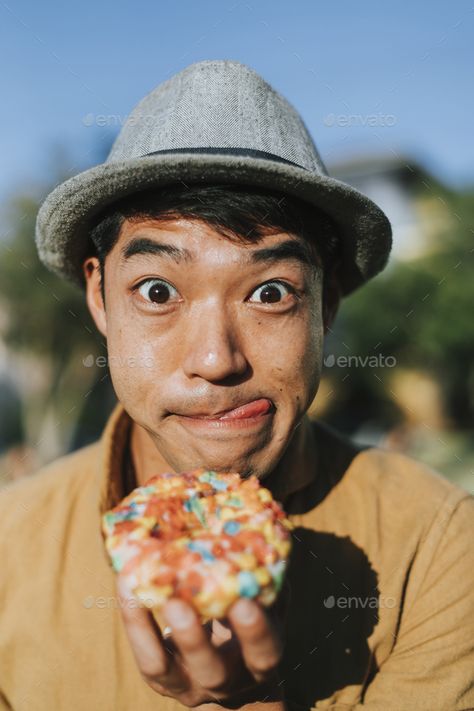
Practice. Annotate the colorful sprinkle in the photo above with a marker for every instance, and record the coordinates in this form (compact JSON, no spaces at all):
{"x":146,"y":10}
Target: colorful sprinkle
{"x":248,"y":585}
{"x":231,"y":527}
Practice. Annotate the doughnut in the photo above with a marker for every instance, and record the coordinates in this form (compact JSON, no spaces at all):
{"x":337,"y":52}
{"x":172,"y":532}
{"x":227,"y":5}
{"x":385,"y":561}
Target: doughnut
{"x":208,"y":538}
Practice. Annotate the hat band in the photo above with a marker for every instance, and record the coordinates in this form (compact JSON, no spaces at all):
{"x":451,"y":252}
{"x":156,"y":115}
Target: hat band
{"x":247,"y":152}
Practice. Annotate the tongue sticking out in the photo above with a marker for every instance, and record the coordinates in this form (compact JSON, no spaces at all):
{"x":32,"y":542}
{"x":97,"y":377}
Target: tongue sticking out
{"x":251,"y":409}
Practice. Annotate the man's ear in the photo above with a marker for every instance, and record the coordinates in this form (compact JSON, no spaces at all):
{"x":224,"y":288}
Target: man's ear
{"x":95,"y":303}
{"x":331,"y":298}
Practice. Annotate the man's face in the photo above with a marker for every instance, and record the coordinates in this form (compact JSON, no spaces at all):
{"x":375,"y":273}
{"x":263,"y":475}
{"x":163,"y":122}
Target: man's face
{"x":196,"y":325}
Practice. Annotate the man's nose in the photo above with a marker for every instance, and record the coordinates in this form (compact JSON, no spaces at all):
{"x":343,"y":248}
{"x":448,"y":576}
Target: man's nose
{"x":212,"y":346}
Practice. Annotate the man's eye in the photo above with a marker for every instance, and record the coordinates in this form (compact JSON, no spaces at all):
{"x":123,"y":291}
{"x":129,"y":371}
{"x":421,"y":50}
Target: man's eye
{"x":157,"y":291}
{"x":271,"y":292}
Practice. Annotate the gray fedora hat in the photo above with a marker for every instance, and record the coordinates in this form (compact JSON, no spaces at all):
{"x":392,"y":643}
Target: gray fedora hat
{"x":214,"y":121}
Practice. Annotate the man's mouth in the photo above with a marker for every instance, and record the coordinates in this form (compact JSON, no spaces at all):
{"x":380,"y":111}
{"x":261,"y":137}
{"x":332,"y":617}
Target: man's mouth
{"x":248,"y":410}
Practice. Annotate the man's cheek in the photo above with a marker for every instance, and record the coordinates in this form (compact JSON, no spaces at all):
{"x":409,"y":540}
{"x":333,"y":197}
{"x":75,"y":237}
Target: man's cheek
{"x":127,"y":381}
{"x":133,"y":347}
{"x":303,"y":373}
{"x":297,"y":358}
{"x":133,"y":370}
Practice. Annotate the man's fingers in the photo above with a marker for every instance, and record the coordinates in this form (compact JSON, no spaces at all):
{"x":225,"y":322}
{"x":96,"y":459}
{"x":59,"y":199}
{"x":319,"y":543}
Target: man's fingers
{"x":154,"y":661}
{"x":261,"y":648}
{"x":203,"y":664}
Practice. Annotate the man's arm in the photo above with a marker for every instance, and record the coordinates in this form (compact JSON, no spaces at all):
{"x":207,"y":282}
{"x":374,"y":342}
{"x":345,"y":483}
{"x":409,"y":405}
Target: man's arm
{"x":432,"y":664}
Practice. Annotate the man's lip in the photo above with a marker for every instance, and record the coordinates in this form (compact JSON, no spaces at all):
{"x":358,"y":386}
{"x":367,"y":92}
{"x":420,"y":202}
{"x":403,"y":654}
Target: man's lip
{"x":253,"y":408}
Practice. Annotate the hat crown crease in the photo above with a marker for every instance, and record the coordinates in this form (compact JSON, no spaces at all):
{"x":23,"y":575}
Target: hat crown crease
{"x":216,"y":104}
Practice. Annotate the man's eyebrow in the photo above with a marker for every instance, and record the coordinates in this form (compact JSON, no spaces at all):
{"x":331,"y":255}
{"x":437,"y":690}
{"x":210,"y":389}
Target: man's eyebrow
{"x":145,"y":245}
{"x":290,"y":249}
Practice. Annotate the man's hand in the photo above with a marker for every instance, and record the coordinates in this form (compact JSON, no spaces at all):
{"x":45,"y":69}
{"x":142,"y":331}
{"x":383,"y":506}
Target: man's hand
{"x":209,"y":663}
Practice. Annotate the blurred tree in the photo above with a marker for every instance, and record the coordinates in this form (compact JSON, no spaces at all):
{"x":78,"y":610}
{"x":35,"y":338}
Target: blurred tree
{"x":418,"y":313}
{"x":47,"y":315}
{"x":449,"y":333}
{"x":45,"y":321}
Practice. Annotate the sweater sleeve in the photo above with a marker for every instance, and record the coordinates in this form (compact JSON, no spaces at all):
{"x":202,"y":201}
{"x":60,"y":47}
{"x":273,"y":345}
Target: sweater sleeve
{"x":431,"y":666}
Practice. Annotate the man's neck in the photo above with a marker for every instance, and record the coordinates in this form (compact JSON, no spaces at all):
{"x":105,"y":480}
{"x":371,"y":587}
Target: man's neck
{"x":147,"y":460}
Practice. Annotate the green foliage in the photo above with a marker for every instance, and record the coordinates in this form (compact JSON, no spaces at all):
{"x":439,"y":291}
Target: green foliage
{"x":420,"y":313}
{"x":46,"y":316}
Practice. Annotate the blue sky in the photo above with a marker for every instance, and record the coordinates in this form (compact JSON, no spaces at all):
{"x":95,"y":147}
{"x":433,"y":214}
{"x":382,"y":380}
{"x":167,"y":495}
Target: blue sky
{"x":69,"y":68}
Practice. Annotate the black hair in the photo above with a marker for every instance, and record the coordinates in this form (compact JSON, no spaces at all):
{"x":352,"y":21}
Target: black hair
{"x":240,"y":213}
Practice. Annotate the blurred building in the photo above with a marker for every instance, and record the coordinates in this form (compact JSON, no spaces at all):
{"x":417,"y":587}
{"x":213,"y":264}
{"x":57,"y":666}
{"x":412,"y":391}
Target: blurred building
{"x":412,"y":199}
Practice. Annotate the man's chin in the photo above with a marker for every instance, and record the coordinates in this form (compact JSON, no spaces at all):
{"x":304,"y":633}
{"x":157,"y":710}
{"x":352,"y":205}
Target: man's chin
{"x":243,"y":462}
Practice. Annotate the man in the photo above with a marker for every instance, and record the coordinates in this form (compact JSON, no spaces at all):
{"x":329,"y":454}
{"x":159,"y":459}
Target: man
{"x":213,"y":249}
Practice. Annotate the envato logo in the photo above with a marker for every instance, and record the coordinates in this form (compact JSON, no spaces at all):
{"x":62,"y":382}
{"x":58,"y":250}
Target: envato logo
{"x":113,"y":603}
{"x":102,"y":120}
{"x":129,"y":362}
{"x":344,"y":120}
{"x":375,"y":361}
{"x":359,"y":602}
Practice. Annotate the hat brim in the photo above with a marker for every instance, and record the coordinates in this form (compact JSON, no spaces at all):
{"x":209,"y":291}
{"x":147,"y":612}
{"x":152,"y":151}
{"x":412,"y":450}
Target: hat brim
{"x":65,"y":217}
